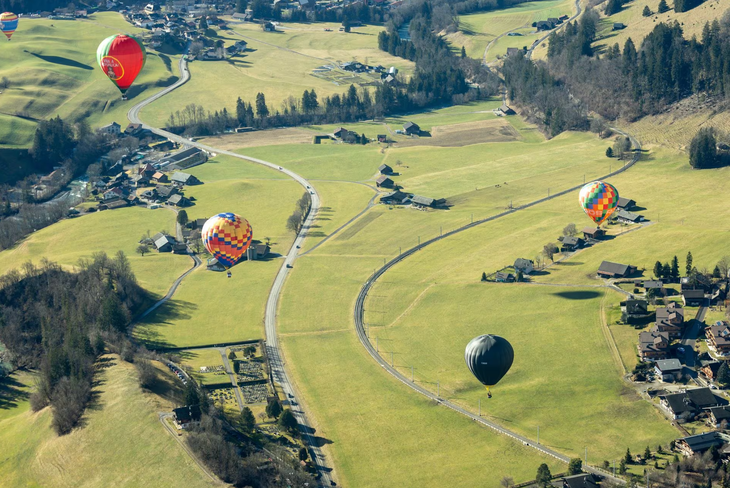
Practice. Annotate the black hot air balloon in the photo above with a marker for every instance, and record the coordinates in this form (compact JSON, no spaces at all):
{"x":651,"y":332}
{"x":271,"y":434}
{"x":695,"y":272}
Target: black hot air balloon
{"x":489,"y":357}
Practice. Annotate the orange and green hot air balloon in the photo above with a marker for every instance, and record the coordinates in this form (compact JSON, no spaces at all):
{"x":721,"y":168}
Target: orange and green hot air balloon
{"x":227,"y":236}
{"x":8,"y":23}
{"x":598,"y":200}
{"x":121,"y":58}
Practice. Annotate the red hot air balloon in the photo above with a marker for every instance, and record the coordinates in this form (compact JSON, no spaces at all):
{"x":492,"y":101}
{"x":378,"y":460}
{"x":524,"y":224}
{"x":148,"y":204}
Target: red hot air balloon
{"x":121,"y":58}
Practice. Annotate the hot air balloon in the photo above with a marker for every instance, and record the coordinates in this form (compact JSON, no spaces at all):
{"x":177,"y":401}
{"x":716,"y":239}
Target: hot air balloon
{"x":121,"y":58}
{"x":489,"y":357}
{"x":8,"y":23}
{"x":598,"y":200}
{"x":227,"y":236}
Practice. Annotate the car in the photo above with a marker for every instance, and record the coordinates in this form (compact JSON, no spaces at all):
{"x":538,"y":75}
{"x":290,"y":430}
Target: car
{"x":279,"y":167}
{"x":289,"y":265}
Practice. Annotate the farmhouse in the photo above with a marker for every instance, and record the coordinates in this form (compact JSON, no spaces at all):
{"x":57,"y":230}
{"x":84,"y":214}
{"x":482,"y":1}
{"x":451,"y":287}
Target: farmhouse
{"x":382,"y":138}
{"x":112,"y":129}
{"x":341,"y":133}
{"x":653,"y":345}
{"x":133,"y":129}
{"x":615,"y":270}
{"x":627,"y":217}
{"x":160,"y":177}
{"x":513,"y":51}
{"x":505,"y":109}
{"x":571,"y":244}
{"x":618,"y":26}
{"x":668,"y":369}
{"x":625,"y":203}
{"x":716,"y":415}
{"x":213,"y":265}
{"x":185,"y":158}
{"x":385,"y":169}
{"x":165,"y":192}
{"x":594,"y":233}
{"x":699,"y":443}
{"x":633,"y":309}
{"x":164,"y":243}
{"x":526,"y":266}
{"x":185,"y":415}
{"x":652,"y":285}
{"x":395,"y":198}
{"x":695,"y":282}
{"x":423,"y":202}
{"x":693,"y":298}
{"x":257,"y":251}
{"x":411,"y":128}
{"x":179,"y":201}
{"x":384,"y":182}
{"x":543,"y":25}
{"x":718,"y":337}
{"x":114,"y":193}
{"x":505,"y":277}
{"x":117,"y":203}
{"x":583,"y":480}
{"x":670,"y":319}
{"x":146,"y":169}
{"x":179,"y":179}
{"x":688,"y":404}
{"x":138,"y":181}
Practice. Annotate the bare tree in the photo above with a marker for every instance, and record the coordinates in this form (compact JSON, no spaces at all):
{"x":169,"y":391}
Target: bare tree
{"x":570,"y":230}
{"x":550,"y":250}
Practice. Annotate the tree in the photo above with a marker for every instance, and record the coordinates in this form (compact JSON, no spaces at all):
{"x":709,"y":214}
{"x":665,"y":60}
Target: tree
{"x":507,"y":482}
{"x":203,"y":23}
{"x":463,"y":52}
{"x":666,"y":271}
{"x":647,"y":453}
{"x":724,"y":266}
{"x":675,"y":269}
{"x":658,"y":270}
{"x":688,"y":266}
{"x":182,"y":217}
{"x":627,"y":457}
{"x":484,"y":276}
{"x":147,"y":373}
{"x":273,"y":408}
{"x":241,"y":6}
{"x":143,"y":249}
{"x":262,"y":111}
{"x":703,"y":149}
{"x":646,"y":12}
{"x":723,"y":374}
{"x":294,"y":222}
{"x":575,"y":466}
{"x":113,"y":314}
{"x":622,"y":467}
{"x":232,"y":355}
{"x":663,"y":7}
{"x":716,"y":272}
{"x":303,"y":454}
{"x":659,"y":449}
{"x":246,"y":420}
{"x":606,"y":464}
{"x":609,"y":152}
{"x":550,"y":250}
{"x":288,"y":421}
{"x":543,"y":476}
{"x":570,"y":230}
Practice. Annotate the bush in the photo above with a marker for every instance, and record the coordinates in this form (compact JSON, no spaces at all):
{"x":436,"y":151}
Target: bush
{"x":703,"y":149}
{"x":147,"y":373}
{"x":38,"y":401}
{"x":69,"y":400}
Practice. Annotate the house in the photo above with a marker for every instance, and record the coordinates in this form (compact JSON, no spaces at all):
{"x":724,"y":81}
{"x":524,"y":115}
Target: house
{"x":513,"y":51}
{"x":696,"y":281}
{"x":112,"y":129}
{"x":689,"y":403}
{"x":618,"y":26}
{"x":583,"y":480}
{"x":116,"y":203}
{"x":423,"y":202}
{"x":627,"y":217}
{"x":384,"y":182}
{"x":615,"y":270}
{"x":554,"y":21}
{"x":594,"y":233}
{"x":179,"y":179}
{"x":563,"y":18}
{"x":653,"y":345}
{"x":699,"y":443}
{"x":395,"y":198}
{"x":505,"y":109}
{"x":213,"y":265}
{"x":268,"y":27}
{"x":670,"y":319}
{"x":179,"y":248}
{"x":668,"y":369}
{"x":385,"y":169}
{"x":525,"y":266}
{"x":718,"y":337}
{"x":179,"y":201}
{"x":164,"y":243}
{"x":165,"y":192}
{"x":652,"y":285}
{"x":505,"y":277}
{"x":717,"y":415}
{"x":146,"y":169}
{"x":710,"y":369}
{"x":160,"y":177}
{"x":114,"y":193}
{"x":138,"y":181}
{"x":133,"y":129}
{"x":543,"y":25}
{"x":693,"y":298}
{"x":257,"y":251}
{"x":382,"y":138}
{"x":183,"y":416}
{"x":185,"y":158}
{"x":571,"y":244}
{"x":196,"y":224}
{"x":634,"y":309}
{"x":411,"y":128}
{"x":625,"y":203}
{"x":341,"y":133}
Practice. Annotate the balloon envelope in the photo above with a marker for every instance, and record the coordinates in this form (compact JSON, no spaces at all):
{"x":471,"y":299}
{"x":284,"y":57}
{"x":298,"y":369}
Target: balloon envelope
{"x":489,"y":357}
{"x":121,"y":58}
{"x":8,"y":23}
{"x":227,"y":236}
{"x":598,"y":200}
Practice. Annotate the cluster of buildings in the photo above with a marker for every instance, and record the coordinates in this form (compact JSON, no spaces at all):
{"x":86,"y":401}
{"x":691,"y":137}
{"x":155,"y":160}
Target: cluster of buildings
{"x":398,"y":197}
{"x":549,"y":24}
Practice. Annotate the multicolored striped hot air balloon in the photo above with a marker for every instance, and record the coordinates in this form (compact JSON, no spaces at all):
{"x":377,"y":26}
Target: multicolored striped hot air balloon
{"x":227,"y":236}
{"x":8,"y":23}
{"x":598,"y":200}
{"x":121,"y":58}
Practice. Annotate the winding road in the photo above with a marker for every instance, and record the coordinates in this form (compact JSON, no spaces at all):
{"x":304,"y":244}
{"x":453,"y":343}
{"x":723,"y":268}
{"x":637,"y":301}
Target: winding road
{"x":272,"y":345}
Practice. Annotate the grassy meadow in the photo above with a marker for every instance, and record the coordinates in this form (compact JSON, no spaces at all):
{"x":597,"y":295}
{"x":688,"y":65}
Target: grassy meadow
{"x":121,"y":442}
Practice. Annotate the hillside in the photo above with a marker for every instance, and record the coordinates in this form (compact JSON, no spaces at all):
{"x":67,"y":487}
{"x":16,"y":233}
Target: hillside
{"x":121,"y":442}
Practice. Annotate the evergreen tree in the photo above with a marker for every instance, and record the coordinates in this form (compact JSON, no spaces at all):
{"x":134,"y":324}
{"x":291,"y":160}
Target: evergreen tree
{"x":544,"y":476}
{"x":609,"y":152}
{"x":658,"y":270}
{"x":463,"y":52}
{"x":647,"y":11}
{"x":663,"y":7}
{"x":203,"y":23}
{"x":675,"y":269}
{"x":182,"y":217}
{"x":723,"y":374}
{"x":113,"y":315}
{"x":241,"y":6}
{"x":303,"y":454}
{"x":666,"y":271}
{"x":191,"y":394}
{"x":688,"y":266}
{"x":622,"y":467}
{"x":288,"y":421}
{"x":575,"y":466}
{"x":273,"y":408}
{"x":246,"y":421}
{"x":716,"y":272}
{"x":627,"y":456}
{"x":484,"y":276}
{"x":647,"y":453}
{"x":703,"y":149}
{"x":262,"y":111}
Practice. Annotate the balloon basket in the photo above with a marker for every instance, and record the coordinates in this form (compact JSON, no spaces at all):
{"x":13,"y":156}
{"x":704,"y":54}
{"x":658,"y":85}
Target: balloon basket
{"x":124,"y":98}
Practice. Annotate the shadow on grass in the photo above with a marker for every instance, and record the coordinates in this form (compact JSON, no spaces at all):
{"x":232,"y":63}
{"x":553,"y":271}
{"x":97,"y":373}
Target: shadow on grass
{"x":12,"y":391}
{"x":319,"y":441}
{"x":578,"y":295}
{"x":147,"y":332}
{"x":61,"y":60}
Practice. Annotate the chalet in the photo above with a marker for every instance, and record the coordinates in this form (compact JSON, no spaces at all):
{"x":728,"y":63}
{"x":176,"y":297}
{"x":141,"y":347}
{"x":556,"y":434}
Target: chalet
{"x":625,"y":203}
{"x":341,"y":133}
{"x":696,"y":281}
{"x":269,"y":27}
{"x":652,"y":284}
{"x":718,"y":338}
{"x":670,"y":319}
{"x":160,"y":177}
{"x":693,"y":298}
{"x":395,"y":198}
{"x":257,"y":251}
{"x":563,"y":18}
{"x":668,"y":369}
{"x":634,"y":309}
{"x":179,"y":248}
{"x":583,"y":480}
{"x":385,"y":169}
{"x":382,"y":138}
{"x":164,"y":243}
{"x":513,"y":51}
{"x":615,"y":270}
{"x":112,"y":129}
{"x":138,"y":181}
{"x":179,"y":179}
{"x":594,"y":233}
{"x":571,"y":244}
{"x":185,"y":415}
{"x":185,"y":158}
{"x":179,"y":201}
{"x":554,"y":21}
{"x":423,"y":202}
{"x":133,"y":129}
{"x":717,"y":415}
{"x":505,"y":277}
{"x":116,"y":203}
{"x":213,"y":265}
{"x":653,"y":345}
{"x":165,"y":192}
{"x":146,"y":169}
{"x":699,"y":443}
{"x":197,"y":223}
{"x":525,"y":266}
{"x":543,"y":25}
{"x":411,"y":128}
{"x":627,"y":217}
{"x":384,"y":182}
{"x":114,"y":193}
{"x":689,"y":403}
{"x":618,"y":26}
{"x":710,"y":369}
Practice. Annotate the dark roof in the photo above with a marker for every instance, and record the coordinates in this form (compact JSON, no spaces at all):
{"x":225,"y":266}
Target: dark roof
{"x":384,"y":168}
{"x":523,"y":263}
{"x":165,"y":191}
{"x":721,"y":334}
{"x":693,"y":293}
{"x":572,"y":241}
{"x":614,"y":268}
{"x":592,"y":230}
{"x":649,"y":341}
{"x":583,"y":480}
{"x":668,"y":365}
{"x":702,"y":442}
{"x":116,"y":204}
{"x":409,"y":125}
{"x":397,"y":196}
{"x":504,"y":276}
{"x":625,"y":202}
{"x":720,"y":413}
{"x":666,"y":313}
{"x":653,"y":284}
{"x":382,"y":179}
{"x":181,"y":177}
{"x":623,"y":214}
{"x":184,"y":154}
{"x":424,"y":201}
{"x":693,"y":400}
{"x":187,"y":414}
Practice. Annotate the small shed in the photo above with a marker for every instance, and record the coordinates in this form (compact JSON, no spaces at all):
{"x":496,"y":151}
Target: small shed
{"x":385,"y":169}
{"x":384,"y":182}
{"x":164,"y":243}
{"x":625,"y":203}
{"x":411,"y":128}
{"x":179,"y":201}
{"x":618,"y":26}
{"x":615,"y":270}
{"x":505,"y":277}
{"x":160,"y":177}
{"x":594,"y":233}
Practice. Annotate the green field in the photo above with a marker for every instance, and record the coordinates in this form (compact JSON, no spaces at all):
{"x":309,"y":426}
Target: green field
{"x":51,"y":69}
{"x":211,"y":358}
{"x":121,"y":443}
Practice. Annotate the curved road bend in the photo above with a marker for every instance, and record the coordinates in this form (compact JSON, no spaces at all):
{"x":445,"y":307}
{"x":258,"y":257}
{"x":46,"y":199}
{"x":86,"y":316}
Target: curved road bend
{"x":272,"y":344}
{"x":359,"y":313}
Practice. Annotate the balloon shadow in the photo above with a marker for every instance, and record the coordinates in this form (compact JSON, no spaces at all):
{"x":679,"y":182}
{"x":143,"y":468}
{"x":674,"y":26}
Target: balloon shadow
{"x":62,"y":61}
{"x":578,"y":295}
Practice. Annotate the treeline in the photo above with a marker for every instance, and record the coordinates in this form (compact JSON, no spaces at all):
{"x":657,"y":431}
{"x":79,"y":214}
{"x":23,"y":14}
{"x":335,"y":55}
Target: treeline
{"x":394,"y":45}
{"x":296,"y":220}
{"x":31,"y":6}
{"x":58,"y":322}
{"x":264,"y":9}
{"x":710,"y":148}
{"x":29,"y":218}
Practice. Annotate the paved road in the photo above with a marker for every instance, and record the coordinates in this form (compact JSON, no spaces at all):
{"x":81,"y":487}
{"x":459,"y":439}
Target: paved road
{"x":172,"y":290}
{"x":231,"y":376}
{"x":578,"y":10}
{"x":272,"y":347}
{"x":359,"y":314}
{"x":689,"y":339}
{"x":164,"y":416}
